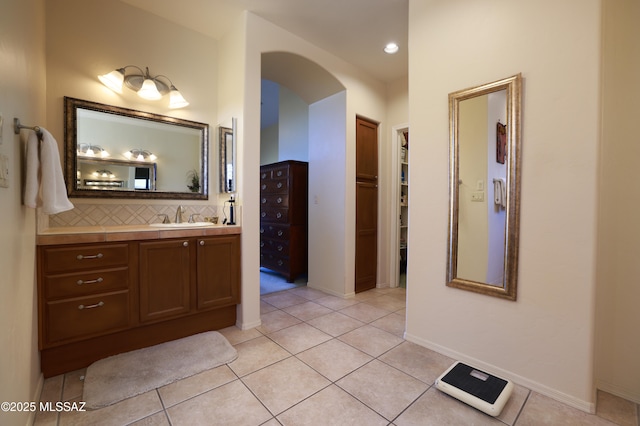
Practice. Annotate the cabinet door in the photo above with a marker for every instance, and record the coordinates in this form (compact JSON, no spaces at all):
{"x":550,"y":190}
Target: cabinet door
{"x":164,"y":279}
{"x":218,"y":271}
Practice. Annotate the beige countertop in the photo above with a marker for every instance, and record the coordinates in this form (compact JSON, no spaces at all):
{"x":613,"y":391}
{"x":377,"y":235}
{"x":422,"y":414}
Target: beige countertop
{"x":99,"y":234}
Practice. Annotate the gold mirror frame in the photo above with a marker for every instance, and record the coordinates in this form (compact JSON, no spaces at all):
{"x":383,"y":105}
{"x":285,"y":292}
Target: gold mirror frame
{"x":508,"y":290}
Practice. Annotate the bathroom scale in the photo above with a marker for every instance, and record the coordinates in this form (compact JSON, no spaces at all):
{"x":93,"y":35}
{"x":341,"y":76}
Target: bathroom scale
{"x":476,"y":388}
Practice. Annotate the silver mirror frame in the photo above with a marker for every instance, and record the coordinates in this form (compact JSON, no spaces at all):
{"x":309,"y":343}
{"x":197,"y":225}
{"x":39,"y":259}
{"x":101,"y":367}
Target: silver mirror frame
{"x":227,"y":157}
{"x":513,"y":87}
{"x":71,"y":106}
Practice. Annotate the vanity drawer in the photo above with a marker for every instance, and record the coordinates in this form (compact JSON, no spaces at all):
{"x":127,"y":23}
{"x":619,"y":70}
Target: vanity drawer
{"x":77,"y":258}
{"x":274,"y":215}
{"x":85,"y":283}
{"x":86,"y":316}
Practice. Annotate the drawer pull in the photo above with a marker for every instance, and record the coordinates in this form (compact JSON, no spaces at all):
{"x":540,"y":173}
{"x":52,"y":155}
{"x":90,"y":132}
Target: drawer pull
{"x":263,"y":214}
{"x":280,"y":248}
{"x":279,"y":185}
{"x":185,"y":244}
{"x":278,"y":215}
{"x":280,"y":233}
{"x":279,"y":200}
{"x":263,"y":201}
{"x":94,"y":256}
{"x":201,"y":242}
{"x":97,"y":305}
{"x":96,"y":281}
{"x":261,"y":230}
{"x":264,"y":186}
{"x":280,"y":262}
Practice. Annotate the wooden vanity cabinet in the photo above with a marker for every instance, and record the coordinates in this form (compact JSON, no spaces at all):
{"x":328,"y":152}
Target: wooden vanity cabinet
{"x":98,"y":300}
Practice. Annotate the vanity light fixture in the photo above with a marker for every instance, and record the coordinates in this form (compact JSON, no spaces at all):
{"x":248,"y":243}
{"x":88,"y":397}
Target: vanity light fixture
{"x":391,"y":48}
{"x":89,"y":150}
{"x":147,"y":86}
{"x":140,"y":155}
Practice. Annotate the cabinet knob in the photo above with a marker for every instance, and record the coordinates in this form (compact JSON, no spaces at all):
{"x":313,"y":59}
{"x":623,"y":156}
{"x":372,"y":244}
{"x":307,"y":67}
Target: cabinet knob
{"x":261,"y":230}
{"x":264,"y":186}
{"x":280,"y":262}
{"x":263,"y":214}
{"x":279,"y":200}
{"x":185,"y":244}
{"x":280,"y":233}
{"x":279,"y":185}
{"x":280,"y":248}
{"x":263,"y":201}
{"x":278,"y":215}
{"x":201,"y":242}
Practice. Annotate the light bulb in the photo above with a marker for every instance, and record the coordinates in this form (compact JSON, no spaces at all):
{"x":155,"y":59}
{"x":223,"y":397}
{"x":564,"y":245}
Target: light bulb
{"x":152,"y":157}
{"x":113,"y":80}
{"x":149,"y":90}
{"x":176,"y":100}
{"x":90,"y":152}
{"x":140,"y":157}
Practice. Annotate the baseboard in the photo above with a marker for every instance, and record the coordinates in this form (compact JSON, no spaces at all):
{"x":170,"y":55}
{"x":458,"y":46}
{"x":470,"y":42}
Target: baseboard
{"x":586,"y":406}
{"x":248,"y":325}
{"x":36,"y":398}
{"x":605,"y":386}
{"x":331,"y":292}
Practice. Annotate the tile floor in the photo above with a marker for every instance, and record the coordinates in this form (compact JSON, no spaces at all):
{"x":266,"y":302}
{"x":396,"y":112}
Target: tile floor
{"x":322,"y":360}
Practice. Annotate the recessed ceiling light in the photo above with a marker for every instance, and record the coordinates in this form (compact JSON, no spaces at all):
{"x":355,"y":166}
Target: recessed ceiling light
{"x":391,"y":48}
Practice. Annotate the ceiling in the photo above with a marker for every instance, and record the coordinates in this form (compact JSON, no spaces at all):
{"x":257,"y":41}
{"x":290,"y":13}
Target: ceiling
{"x":353,"y":30}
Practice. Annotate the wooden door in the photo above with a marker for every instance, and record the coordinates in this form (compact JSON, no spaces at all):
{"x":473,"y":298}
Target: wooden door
{"x":218,"y":271}
{"x":366,"y":262}
{"x":164,"y":279}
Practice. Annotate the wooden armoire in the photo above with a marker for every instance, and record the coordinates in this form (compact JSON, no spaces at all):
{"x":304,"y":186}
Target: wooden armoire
{"x":283,"y":217}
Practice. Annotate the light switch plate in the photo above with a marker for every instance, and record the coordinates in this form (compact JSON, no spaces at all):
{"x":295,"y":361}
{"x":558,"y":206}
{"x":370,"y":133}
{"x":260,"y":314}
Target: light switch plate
{"x":4,"y":171}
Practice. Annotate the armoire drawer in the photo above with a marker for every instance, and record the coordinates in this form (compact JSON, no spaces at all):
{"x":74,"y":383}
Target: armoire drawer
{"x":274,"y":186}
{"x":274,"y":215}
{"x":275,"y":231}
{"x":274,"y":200}
{"x":86,"y":316}
{"x":85,"y":283}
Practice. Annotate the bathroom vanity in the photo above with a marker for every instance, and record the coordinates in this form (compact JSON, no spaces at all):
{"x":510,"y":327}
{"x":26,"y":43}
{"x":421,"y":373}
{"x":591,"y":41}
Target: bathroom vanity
{"x":108,"y":290}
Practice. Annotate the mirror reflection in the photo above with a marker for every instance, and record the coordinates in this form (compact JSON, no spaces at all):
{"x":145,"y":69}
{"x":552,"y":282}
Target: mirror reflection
{"x":122,"y":153}
{"x":484,"y":188}
{"x":227,"y":158}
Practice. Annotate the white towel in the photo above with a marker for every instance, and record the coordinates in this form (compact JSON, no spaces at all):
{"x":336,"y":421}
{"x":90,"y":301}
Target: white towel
{"x":499,"y":192}
{"x":44,"y":186}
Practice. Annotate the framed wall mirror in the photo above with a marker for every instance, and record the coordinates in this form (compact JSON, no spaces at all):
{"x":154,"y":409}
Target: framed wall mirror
{"x":484,"y":188}
{"x":226,"y":140}
{"x":114,"y":152}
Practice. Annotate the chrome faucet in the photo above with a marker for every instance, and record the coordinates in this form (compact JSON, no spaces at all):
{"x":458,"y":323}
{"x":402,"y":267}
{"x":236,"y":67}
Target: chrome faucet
{"x":179,"y":213}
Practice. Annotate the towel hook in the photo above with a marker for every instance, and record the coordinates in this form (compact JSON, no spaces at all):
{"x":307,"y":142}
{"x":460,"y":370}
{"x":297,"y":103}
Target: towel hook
{"x":17,"y":127}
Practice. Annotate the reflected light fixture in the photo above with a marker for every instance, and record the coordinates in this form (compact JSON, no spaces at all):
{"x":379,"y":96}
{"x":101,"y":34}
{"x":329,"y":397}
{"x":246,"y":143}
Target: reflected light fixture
{"x":104,"y":174}
{"x":147,"y":86}
{"x":391,"y":48}
{"x":89,"y":150}
{"x":140,"y":155}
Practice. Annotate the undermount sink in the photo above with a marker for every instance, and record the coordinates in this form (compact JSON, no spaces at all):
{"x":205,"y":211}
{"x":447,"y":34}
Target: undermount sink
{"x":182,"y":225}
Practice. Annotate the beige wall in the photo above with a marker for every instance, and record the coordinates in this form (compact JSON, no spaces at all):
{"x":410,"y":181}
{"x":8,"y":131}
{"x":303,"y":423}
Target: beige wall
{"x":86,"y":39}
{"x":618,"y":292}
{"x":22,"y":95}
{"x":545,"y":339}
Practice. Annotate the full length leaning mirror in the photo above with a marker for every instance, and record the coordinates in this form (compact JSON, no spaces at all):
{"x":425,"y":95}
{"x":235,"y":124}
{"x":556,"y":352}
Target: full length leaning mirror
{"x":484,"y":188}
{"x":114,"y":152}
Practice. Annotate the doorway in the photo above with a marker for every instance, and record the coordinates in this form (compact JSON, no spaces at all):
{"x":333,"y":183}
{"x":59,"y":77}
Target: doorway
{"x":366,"y":255}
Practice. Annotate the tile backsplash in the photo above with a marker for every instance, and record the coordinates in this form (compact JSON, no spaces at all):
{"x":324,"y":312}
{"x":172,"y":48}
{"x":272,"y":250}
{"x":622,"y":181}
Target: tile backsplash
{"x":127,"y":214}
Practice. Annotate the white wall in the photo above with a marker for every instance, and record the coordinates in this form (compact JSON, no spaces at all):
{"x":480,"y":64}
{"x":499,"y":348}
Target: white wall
{"x":22,"y":95}
{"x":326,"y":189}
{"x":618,"y":343}
{"x":544,"y":340}
{"x":293,"y":127}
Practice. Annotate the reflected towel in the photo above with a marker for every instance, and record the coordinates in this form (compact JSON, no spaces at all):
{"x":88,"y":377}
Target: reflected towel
{"x":44,"y":186}
{"x":500,"y":192}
